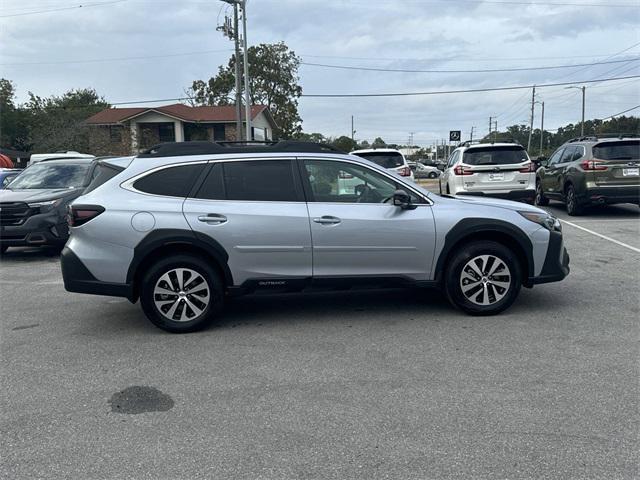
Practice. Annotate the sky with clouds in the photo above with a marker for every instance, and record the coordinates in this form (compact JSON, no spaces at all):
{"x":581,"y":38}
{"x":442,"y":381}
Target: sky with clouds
{"x":132,"y":50}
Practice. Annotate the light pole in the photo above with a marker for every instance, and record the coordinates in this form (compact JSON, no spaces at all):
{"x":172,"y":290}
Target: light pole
{"x":583,"y":88}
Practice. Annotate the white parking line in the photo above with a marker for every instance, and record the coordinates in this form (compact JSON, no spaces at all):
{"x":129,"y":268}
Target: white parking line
{"x":603,"y":236}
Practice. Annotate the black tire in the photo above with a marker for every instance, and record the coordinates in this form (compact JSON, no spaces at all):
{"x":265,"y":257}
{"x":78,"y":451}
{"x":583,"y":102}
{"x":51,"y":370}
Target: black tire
{"x":571,"y":200}
{"x":454,"y":276}
{"x":540,"y":199}
{"x":211,"y":309}
{"x":433,"y":175}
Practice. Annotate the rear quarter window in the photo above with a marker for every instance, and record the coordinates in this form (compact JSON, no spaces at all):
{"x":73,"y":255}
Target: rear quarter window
{"x":171,"y":181}
{"x":102,"y":174}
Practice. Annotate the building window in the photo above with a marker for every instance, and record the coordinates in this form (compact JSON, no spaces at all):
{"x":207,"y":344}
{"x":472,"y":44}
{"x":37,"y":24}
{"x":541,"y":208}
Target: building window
{"x":166,"y":132}
{"x":218,"y":132}
{"x":115,"y":133}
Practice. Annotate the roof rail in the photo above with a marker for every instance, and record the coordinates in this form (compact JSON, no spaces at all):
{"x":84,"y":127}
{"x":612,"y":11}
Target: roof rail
{"x":174,"y":149}
{"x":596,"y":137}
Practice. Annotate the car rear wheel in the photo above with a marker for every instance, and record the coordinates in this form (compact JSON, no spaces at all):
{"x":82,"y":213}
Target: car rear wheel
{"x":573,"y":206}
{"x":540,"y":199}
{"x":433,"y":175}
{"x":181,"y":294}
{"x":483,"y":278}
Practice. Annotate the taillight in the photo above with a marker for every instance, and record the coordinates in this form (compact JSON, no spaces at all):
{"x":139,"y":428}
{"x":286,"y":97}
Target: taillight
{"x":593,"y":165}
{"x":460,"y":170}
{"x":81,"y":214}
{"x":528,"y":168}
{"x":405,"y":172}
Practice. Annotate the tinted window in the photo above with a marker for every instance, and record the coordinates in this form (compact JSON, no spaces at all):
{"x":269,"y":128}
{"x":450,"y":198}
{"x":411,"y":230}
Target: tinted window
{"x":568,"y":153}
{"x":102,"y":173}
{"x":171,"y":182}
{"x":384,"y":159}
{"x":453,"y":158}
{"x":261,"y":180}
{"x":578,"y":153}
{"x":494,"y":155}
{"x":556,"y":156}
{"x":213,"y":186}
{"x":625,"y":150}
{"x":52,"y":175}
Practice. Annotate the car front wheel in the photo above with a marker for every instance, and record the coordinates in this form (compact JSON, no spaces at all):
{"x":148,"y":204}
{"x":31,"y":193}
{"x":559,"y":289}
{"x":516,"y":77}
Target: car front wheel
{"x":540,"y":200}
{"x":483,"y":278}
{"x":433,"y":175}
{"x":181,"y":293}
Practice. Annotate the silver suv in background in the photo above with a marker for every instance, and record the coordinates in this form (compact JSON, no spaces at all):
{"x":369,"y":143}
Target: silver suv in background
{"x":501,"y":170}
{"x":388,"y":158}
{"x":186,"y":225}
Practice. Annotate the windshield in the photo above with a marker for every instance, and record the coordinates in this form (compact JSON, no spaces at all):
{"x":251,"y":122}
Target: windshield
{"x":50,"y":175}
{"x":384,"y":159}
{"x":494,"y":156}
{"x":627,"y":150}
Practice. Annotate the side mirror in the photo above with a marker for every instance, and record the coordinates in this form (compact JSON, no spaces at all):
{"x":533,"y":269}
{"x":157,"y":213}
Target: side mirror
{"x":542,"y":162}
{"x":403,"y":200}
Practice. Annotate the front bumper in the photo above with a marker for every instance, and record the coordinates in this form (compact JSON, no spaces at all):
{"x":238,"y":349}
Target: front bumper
{"x":38,"y":230}
{"x":556,"y":263}
{"x":77,"y":278}
{"x":517,"y":195}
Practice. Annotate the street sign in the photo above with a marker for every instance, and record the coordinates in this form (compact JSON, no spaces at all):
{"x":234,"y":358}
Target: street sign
{"x":455,"y":135}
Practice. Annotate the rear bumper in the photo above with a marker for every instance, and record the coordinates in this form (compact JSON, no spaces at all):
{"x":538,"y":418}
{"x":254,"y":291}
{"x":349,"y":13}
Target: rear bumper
{"x":602,"y":195}
{"x":518,"y":195}
{"x":77,"y":278}
{"x":556,"y":263}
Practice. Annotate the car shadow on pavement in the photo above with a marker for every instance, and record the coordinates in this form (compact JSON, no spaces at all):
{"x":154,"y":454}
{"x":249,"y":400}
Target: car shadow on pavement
{"x":30,"y":254}
{"x":605,"y":212}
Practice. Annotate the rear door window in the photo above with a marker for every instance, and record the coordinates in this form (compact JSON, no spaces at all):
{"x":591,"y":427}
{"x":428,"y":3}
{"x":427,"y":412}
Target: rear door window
{"x":254,"y":180}
{"x":495,"y":155}
{"x":623,"y":150}
{"x":170,"y":182}
{"x":567,"y":155}
{"x":384,"y":159}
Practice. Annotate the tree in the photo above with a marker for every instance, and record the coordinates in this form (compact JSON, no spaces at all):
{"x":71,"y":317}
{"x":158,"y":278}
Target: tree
{"x":13,"y":127}
{"x":274,"y":82}
{"x":311,"y":137}
{"x":57,"y":123}
{"x":378,"y":143}
{"x":344,"y":143}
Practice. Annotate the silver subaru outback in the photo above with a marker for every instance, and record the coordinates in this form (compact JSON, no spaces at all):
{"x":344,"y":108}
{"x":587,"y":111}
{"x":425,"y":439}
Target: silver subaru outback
{"x":185,"y":225}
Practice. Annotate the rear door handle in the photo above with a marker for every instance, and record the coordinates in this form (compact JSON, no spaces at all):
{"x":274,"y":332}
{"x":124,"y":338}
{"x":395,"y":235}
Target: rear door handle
{"x":327,"y":220}
{"x":212,"y":218}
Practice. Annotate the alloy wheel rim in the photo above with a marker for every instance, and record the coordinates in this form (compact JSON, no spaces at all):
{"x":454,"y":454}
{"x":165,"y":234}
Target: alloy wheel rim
{"x":181,"y":295}
{"x":570,"y":199}
{"x":485,"y":280}
{"x":538,"y":194}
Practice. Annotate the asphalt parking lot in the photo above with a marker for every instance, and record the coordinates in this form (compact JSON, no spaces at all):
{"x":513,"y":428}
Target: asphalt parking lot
{"x":368,"y":384}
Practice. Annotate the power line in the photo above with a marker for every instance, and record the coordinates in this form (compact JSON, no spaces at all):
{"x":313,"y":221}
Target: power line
{"x":489,"y":70}
{"x":473,"y":90}
{"x":74,"y":7}
{"x":620,"y":113}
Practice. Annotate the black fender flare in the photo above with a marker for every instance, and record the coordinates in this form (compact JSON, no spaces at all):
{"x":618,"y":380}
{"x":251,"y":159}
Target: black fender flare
{"x":167,"y":237}
{"x":480,"y":227}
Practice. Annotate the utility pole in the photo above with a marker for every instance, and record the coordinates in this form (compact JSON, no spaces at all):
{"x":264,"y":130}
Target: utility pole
{"x":353,"y":132}
{"x":490,"y":125}
{"x":411,"y":138}
{"x":533,"y":103}
{"x":233,"y":33}
{"x":583,"y":88}
{"x":247,"y":93}
{"x":471,"y":136}
{"x":542,"y":130}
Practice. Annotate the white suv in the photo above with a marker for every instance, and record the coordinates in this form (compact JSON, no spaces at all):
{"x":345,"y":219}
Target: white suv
{"x":501,"y":170}
{"x":388,"y":158}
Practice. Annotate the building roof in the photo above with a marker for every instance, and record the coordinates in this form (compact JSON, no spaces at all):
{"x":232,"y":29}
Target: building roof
{"x":223,"y":114}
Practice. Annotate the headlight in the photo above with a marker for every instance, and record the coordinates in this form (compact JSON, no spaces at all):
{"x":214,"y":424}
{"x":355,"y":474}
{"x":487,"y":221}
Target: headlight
{"x":547,"y":220}
{"x":46,"y":206}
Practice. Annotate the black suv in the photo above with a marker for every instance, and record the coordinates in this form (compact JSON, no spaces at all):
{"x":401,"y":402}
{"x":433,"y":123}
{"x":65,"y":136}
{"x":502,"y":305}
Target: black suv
{"x":591,"y":171}
{"x":33,"y":209}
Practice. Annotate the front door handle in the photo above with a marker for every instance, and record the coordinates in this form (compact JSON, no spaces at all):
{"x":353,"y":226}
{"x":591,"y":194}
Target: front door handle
{"x":327,"y":220}
{"x":212,"y":218}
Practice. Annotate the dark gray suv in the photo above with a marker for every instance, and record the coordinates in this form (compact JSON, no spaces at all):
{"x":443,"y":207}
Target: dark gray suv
{"x":591,"y":171}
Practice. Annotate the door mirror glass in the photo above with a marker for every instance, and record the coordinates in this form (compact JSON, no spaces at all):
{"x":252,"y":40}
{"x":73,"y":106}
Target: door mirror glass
{"x":403,"y":200}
